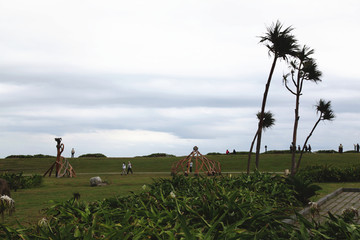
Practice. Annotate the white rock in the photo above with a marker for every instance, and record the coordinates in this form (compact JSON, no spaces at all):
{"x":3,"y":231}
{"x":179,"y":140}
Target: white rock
{"x":95,"y":181}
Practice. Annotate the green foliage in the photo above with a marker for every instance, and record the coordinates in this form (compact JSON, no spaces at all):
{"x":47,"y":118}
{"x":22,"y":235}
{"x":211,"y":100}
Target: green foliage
{"x":92,"y":155}
{"x":214,"y":153}
{"x":304,"y":187}
{"x":190,"y":208}
{"x":326,"y":151}
{"x":29,"y":156}
{"x":160,"y":155}
{"x":18,"y":181}
{"x":277,"y":152}
{"x":242,"y":207}
{"x":326,"y":173}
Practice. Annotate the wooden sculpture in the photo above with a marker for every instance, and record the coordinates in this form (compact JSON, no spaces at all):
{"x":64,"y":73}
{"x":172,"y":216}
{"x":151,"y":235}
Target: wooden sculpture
{"x":61,"y":163}
{"x":197,"y":161}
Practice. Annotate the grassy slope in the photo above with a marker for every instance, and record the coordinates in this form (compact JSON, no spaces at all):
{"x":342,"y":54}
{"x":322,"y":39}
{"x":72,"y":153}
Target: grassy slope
{"x":29,"y":202}
{"x":229,"y":163}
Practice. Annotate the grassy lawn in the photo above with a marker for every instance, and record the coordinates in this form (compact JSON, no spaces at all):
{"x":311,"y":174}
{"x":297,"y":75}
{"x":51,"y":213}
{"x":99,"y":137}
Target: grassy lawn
{"x":30,"y":202}
{"x":328,"y":188}
{"x":229,"y":163}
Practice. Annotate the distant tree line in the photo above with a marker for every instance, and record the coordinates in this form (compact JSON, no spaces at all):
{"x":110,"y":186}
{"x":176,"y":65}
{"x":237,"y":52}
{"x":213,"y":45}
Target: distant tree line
{"x":30,"y":156}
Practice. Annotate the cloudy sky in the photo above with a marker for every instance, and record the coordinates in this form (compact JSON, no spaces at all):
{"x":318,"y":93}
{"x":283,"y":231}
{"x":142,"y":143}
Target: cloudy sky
{"x":131,"y":78}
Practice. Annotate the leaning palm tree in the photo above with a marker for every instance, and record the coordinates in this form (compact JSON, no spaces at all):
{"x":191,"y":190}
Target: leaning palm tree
{"x":268,"y":122}
{"x":326,"y":113}
{"x":281,"y":44}
{"x":303,"y":67}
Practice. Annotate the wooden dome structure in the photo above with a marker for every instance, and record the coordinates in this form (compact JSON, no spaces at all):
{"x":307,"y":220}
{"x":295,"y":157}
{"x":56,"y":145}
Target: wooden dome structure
{"x":197,"y":162}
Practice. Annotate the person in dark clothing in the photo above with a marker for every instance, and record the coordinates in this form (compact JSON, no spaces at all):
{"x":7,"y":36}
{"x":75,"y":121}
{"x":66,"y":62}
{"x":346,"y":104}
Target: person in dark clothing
{"x":129,"y":168}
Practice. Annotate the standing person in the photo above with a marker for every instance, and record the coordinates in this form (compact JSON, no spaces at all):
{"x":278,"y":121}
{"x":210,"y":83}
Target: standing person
{"x":123,"y":169}
{"x":309,"y":148}
{"x":340,"y":148}
{"x":357,"y":147}
{"x":129,"y":169}
{"x":72,"y":153}
{"x":191,"y":165}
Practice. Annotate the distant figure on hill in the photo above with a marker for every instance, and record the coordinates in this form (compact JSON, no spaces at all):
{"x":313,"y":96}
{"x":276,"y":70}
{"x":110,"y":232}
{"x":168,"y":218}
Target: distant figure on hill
{"x":340,"y":148}
{"x":305,"y":148}
{"x":123,"y":169}
{"x":72,"y":153}
{"x":190,"y":166}
{"x":129,"y":169}
{"x":265,"y":148}
{"x":357,"y":147}
{"x":309,"y":148}
{"x":234,"y":152}
{"x":227,"y":151}
{"x":299,"y":149}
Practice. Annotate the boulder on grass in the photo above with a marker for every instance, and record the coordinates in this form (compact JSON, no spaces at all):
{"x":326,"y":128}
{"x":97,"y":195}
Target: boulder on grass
{"x":95,"y":181}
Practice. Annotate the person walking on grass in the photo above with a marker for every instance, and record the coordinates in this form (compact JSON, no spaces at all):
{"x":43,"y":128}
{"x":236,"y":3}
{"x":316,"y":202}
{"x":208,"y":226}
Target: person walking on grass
{"x":129,"y":168}
{"x":123,"y":169}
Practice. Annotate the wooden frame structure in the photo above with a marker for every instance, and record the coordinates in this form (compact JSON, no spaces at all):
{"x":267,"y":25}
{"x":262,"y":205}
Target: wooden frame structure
{"x":62,"y":165}
{"x":200,"y":164}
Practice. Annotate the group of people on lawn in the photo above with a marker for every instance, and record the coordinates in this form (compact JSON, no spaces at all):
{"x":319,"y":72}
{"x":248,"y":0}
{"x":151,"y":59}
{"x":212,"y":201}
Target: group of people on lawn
{"x":129,"y":168}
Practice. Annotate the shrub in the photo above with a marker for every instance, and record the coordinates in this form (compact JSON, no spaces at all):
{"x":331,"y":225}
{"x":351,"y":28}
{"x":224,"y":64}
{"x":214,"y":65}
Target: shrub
{"x":92,"y":155}
{"x":160,"y":155}
{"x":325,"y":173}
{"x":277,"y":152}
{"x":326,"y":151}
{"x":214,"y":153}
{"x":303,"y":187}
{"x":18,"y":181}
{"x":30,"y":156}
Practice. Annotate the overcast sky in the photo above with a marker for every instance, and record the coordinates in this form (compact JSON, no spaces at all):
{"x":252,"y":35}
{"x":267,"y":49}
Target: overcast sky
{"x":131,"y":78}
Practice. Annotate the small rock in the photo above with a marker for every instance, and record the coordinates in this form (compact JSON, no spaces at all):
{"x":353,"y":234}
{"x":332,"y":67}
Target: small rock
{"x":95,"y":181}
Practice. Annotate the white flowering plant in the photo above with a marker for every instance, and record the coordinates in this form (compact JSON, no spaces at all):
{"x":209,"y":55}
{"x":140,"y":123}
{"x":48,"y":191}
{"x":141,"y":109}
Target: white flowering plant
{"x":7,"y":204}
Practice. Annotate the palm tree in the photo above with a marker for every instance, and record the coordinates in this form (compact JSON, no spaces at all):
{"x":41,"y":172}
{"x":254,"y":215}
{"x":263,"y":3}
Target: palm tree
{"x":281,"y":44}
{"x":326,"y":113}
{"x":268,"y":122}
{"x":302,"y":68}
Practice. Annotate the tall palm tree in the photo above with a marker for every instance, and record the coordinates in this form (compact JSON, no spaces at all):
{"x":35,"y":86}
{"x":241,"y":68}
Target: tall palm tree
{"x":326,"y":113}
{"x":268,"y":122}
{"x":281,"y":44}
{"x":303,"y":67}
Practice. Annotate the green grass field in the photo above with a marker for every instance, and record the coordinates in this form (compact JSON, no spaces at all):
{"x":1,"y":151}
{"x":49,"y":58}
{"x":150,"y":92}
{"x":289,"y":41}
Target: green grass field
{"x":30,"y":202}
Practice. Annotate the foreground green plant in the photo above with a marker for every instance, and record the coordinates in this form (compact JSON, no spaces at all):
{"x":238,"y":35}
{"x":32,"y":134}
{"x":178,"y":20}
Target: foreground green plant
{"x":243,"y":207}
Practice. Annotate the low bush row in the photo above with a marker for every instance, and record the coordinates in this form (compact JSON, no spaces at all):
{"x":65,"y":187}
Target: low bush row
{"x":325,"y":173}
{"x":30,"y":156}
{"x":160,"y":155}
{"x":18,"y":181}
{"x":93,"y":155}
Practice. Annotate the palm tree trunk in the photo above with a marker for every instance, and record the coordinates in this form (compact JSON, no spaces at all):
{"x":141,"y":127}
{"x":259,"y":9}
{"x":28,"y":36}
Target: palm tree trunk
{"x":307,"y":139}
{"x":250,"y":152}
{"x":296,"y":123}
{"x":260,"y":126}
